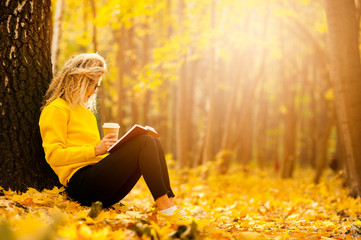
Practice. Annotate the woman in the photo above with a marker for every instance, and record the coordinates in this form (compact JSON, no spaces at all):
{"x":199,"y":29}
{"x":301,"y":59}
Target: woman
{"x":78,"y":156}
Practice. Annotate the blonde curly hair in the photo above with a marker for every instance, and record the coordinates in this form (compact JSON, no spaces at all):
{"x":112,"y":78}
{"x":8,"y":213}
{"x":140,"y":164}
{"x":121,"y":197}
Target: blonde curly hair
{"x":74,"y":80}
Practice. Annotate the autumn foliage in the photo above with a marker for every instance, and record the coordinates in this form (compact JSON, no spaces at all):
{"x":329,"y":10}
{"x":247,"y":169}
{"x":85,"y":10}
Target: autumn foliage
{"x":252,"y":85}
{"x":240,"y":205}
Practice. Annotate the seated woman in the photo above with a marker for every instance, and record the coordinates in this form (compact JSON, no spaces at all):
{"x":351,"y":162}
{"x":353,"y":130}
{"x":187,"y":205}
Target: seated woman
{"x":78,"y":156}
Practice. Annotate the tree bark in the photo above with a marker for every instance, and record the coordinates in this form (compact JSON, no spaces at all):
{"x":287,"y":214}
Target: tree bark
{"x":274,"y":126}
{"x":182,"y":117}
{"x":165,"y":100}
{"x":209,"y":135}
{"x":119,"y":39}
{"x":148,"y":92}
{"x":321,"y":156}
{"x":25,"y":72}
{"x":94,"y":33}
{"x":289,"y":140}
{"x":325,"y":120}
{"x":226,"y":152}
{"x":130,"y":66}
{"x":289,"y":137}
{"x":346,"y":75}
{"x":261,"y":130}
{"x":313,"y":146}
{"x":58,"y":18}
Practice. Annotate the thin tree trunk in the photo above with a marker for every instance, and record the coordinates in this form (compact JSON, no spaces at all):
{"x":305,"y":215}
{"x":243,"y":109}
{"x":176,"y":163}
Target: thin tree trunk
{"x":226,"y":152}
{"x":273,"y":123}
{"x":190,"y":109}
{"x":119,"y":40}
{"x":209,"y":135}
{"x":274,"y":138}
{"x":321,"y":157}
{"x":181,"y":120}
{"x":341,"y":155}
{"x":289,"y":138}
{"x":164,"y":119}
{"x":183,"y":153}
{"x":94,"y":34}
{"x":313,"y":121}
{"x":57,"y":31}
{"x":102,"y":116}
{"x":325,"y":116}
{"x":246,"y":146}
{"x":148,"y":92}
{"x":131,"y":65}
{"x":261,"y":132}
{"x":336,"y":163}
{"x":304,"y":126}
{"x":85,"y":23}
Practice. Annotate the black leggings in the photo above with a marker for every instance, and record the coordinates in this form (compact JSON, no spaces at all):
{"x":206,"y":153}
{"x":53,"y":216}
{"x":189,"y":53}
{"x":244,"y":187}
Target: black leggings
{"x":112,"y":178}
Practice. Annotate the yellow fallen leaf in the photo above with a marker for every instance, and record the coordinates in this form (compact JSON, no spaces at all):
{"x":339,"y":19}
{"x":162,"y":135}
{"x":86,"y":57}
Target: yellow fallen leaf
{"x":250,"y":236}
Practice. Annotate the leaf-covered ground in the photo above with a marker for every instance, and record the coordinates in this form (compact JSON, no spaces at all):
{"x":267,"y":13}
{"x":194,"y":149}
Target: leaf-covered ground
{"x":253,"y":205}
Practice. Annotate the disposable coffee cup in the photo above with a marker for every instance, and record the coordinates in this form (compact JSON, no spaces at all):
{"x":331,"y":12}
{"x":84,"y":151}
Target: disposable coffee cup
{"x":111,"y":128}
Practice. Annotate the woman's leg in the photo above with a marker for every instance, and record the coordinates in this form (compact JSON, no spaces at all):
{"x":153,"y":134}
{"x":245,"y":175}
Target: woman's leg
{"x":113,"y":177}
{"x":162,"y":202}
{"x":124,"y":190}
{"x":164,"y":168}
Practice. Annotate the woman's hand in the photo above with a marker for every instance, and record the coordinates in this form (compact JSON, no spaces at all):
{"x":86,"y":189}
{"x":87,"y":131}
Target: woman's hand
{"x":105,"y":144}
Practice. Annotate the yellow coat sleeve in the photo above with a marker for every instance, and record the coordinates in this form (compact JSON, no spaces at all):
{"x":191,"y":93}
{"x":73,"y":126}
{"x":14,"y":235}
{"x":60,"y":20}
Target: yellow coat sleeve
{"x":53,"y":127}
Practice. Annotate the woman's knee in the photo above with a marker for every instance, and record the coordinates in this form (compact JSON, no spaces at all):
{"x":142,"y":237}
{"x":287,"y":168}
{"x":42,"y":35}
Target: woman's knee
{"x":145,"y":139}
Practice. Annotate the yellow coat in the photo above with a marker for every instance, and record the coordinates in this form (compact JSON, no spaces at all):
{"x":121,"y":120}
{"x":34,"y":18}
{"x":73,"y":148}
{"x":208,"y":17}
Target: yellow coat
{"x":69,"y":137}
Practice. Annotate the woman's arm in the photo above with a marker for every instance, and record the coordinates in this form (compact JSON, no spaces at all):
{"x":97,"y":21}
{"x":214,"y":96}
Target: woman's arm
{"x":53,"y":127}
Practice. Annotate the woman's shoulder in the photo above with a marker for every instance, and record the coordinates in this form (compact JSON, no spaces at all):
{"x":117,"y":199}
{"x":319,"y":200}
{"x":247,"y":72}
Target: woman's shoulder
{"x":61,"y":105}
{"x":54,"y":111}
{"x":57,"y":104}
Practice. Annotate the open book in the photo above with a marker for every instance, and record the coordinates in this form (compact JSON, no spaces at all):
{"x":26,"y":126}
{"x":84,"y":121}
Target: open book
{"x":135,"y":131}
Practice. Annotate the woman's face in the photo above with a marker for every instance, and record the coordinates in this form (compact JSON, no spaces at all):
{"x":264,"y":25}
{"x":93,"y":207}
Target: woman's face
{"x":93,"y":87}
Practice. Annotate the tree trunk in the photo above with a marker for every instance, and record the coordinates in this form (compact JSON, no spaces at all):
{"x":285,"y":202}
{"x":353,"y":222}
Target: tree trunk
{"x":274,"y":126}
{"x":304,"y":124}
{"x":336,"y":163}
{"x":119,"y":39}
{"x":313,"y":146}
{"x":325,"y":121}
{"x":209,"y":135}
{"x":289,"y":140}
{"x":261,"y":131}
{"x":346,"y":75}
{"x":182,"y":117}
{"x":148,"y":92}
{"x":289,"y":137}
{"x":246,"y":140}
{"x":165,"y":100}
{"x":94,"y":33}
{"x":58,"y":18}
{"x":25,"y":72}
{"x":226,"y":152}
{"x":321,"y":156}
{"x":130,"y":66}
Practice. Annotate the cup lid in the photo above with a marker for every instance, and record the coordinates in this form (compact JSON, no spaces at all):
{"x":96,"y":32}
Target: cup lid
{"x":111,"y":125}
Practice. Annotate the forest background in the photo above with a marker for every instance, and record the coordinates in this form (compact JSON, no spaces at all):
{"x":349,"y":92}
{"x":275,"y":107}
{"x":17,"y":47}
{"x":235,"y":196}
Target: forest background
{"x":233,"y":81}
{"x":243,"y":93}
